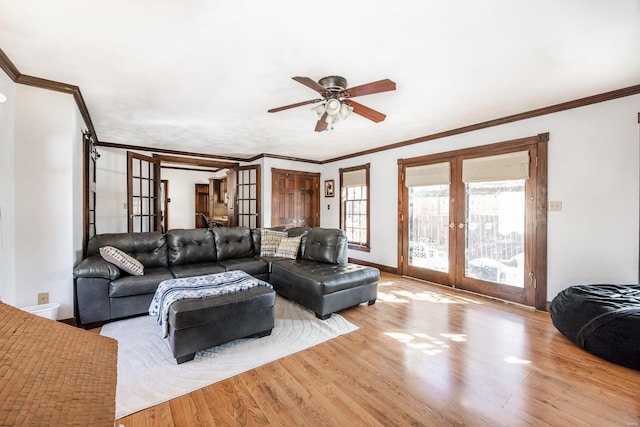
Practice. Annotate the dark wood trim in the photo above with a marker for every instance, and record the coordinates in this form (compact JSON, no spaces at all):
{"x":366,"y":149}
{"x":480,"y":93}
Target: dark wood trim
{"x":162,"y":150}
{"x":189,"y":169}
{"x":203,"y":155}
{"x":380,"y":267}
{"x":294,"y":172}
{"x":197,"y":162}
{"x":581,"y":102}
{"x":46,"y":84}
{"x":478,"y":149}
{"x":8,"y":66}
{"x":540,"y":265}
{"x":294,"y":159}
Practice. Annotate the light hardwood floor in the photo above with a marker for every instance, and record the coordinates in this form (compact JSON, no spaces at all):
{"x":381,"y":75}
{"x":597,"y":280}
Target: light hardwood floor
{"x":423,"y":355}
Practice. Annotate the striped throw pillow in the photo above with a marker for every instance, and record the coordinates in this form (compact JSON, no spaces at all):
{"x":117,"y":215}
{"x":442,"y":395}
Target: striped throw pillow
{"x":270,"y":240}
{"x":288,"y":247}
{"x":122,"y":260}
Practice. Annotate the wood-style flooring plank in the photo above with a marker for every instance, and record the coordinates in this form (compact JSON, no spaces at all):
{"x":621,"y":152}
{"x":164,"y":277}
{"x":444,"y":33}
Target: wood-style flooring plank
{"x":423,"y":355}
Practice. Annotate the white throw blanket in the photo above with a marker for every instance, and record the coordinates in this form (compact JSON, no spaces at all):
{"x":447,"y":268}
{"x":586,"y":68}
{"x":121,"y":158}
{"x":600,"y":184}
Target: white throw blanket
{"x":172,"y":290}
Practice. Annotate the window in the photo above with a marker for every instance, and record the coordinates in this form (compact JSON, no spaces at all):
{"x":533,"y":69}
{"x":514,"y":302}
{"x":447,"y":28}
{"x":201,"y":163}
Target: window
{"x":354,"y":206}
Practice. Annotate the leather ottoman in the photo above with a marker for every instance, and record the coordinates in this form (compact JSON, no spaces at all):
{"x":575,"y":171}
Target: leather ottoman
{"x":199,"y":323}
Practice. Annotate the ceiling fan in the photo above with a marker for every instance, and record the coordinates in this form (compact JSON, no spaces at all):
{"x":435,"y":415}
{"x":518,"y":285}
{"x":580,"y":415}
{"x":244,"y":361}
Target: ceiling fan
{"x":336,"y":103}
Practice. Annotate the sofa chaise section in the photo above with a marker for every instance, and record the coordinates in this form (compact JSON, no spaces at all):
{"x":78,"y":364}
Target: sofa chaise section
{"x":322,"y":280}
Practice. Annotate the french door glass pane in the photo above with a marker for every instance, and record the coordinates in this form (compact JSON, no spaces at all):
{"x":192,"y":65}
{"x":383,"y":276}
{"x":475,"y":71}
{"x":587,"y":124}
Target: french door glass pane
{"x":429,"y":227}
{"x":495,"y":224}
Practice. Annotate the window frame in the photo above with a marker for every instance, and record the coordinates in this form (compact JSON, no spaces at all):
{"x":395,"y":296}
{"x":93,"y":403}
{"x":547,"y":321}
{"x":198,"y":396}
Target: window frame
{"x":366,"y":246}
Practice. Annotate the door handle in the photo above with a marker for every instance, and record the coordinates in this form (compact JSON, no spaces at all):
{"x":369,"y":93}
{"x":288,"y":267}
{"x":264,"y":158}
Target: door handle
{"x":461,"y":225}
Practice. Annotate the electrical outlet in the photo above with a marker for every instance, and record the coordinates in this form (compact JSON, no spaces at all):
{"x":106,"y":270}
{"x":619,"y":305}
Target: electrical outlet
{"x":43,"y":298}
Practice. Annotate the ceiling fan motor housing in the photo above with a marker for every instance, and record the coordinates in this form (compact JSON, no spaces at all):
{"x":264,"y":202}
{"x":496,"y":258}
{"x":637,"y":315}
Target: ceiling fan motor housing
{"x":333,"y":83}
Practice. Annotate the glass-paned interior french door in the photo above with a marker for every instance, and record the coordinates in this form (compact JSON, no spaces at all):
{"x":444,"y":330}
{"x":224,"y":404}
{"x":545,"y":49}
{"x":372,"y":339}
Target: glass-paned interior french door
{"x":143,"y":193}
{"x":248,"y":196}
{"x":476,"y":220}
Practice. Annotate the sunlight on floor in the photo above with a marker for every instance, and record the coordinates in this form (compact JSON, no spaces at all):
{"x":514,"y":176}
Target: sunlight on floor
{"x":516,"y":360}
{"x":429,"y":345}
{"x":404,"y":297}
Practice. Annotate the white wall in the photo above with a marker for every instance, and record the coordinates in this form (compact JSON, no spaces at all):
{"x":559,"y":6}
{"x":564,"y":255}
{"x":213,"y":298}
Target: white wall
{"x":593,"y":169}
{"x":43,"y":198}
{"x":7,"y":191}
{"x":182,"y":194}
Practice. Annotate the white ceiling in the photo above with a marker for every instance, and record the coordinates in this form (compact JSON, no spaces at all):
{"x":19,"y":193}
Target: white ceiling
{"x":200,"y":75}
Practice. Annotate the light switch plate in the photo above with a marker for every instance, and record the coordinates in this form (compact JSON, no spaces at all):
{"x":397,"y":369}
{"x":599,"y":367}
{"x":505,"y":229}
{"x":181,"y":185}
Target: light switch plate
{"x":555,"y":206}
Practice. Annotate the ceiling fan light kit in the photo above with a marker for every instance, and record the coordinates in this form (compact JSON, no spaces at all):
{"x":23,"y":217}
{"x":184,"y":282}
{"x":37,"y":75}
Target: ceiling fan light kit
{"x":336,"y":104}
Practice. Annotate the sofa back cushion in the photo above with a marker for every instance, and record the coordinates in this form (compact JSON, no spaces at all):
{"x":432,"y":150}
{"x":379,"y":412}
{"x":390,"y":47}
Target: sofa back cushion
{"x":232,"y":242}
{"x":149,"y":248}
{"x":190,"y":246}
{"x":326,"y":245}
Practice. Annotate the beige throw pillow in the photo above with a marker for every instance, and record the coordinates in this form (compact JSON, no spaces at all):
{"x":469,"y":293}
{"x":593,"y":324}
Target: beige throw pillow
{"x":288,"y":247}
{"x":270,"y":240}
{"x":122,"y":260}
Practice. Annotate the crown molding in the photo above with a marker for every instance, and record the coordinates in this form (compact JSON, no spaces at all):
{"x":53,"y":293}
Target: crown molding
{"x":581,"y":102}
{"x":16,"y":76}
{"x":8,"y":67}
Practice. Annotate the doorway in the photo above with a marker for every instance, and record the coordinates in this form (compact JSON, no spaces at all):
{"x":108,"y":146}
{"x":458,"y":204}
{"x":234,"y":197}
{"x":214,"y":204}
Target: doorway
{"x":201,"y":204}
{"x":295,"y":198}
{"x":475,"y":219}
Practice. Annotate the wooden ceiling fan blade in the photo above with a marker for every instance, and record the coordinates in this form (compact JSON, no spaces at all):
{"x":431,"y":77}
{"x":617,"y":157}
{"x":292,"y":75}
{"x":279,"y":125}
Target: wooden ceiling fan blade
{"x":384,"y":85}
{"x":366,"y":112}
{"x":310,"y":83}
{"x":297,"y":104}
{"x":322,"y":123}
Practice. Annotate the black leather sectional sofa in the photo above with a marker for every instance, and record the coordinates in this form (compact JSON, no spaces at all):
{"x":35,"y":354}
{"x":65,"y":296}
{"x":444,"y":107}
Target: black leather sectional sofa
{"x":320,"y":278}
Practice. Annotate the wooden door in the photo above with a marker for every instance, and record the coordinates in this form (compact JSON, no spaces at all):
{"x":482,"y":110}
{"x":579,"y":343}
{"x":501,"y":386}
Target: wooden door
{"x":202,"y":203}
{"x":295,"y":198}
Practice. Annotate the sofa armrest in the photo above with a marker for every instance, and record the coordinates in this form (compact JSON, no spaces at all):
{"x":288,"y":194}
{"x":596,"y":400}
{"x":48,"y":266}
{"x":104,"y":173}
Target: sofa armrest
{"x":95,"y":266}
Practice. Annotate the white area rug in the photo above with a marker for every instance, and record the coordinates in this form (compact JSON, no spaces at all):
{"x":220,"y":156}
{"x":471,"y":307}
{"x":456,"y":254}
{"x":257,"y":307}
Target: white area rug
{"x":148,"y":374}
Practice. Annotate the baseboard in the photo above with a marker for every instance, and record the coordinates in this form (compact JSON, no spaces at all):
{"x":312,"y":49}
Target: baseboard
{"x":380,"y":267}
{"x":71,"y":321}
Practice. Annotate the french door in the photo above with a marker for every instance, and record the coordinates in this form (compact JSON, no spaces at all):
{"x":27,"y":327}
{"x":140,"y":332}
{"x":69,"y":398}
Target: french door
{"x":475,"y":219}
{"x":143,"y":193}
{"x":248,"y":196}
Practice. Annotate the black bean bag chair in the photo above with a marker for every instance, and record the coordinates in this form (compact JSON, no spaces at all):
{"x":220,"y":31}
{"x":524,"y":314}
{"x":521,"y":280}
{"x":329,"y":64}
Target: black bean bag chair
{"x":602,"y":319}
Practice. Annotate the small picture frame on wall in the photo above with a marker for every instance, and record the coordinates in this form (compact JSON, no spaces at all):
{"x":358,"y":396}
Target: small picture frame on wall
{"x":329,"y":188}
